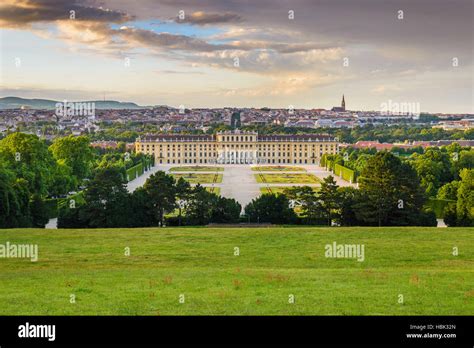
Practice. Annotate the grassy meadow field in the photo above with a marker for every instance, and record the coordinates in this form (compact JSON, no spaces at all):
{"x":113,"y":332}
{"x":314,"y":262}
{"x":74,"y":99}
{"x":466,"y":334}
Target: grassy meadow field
{"x":287,"y":178}
{"x":199,"y":178}
{"x":197,"y":169}
{"x":213,"y":189}
{"x":278,"y":169}
{"x":281,"y":189}
{"x":239,"y":271}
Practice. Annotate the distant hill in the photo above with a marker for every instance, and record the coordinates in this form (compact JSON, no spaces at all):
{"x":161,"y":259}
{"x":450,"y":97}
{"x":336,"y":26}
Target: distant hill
{"x":15,"y":103}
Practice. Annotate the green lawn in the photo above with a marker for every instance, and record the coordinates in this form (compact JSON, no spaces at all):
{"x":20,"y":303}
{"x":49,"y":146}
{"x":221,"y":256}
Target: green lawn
{"x":273,"y":263}
{"x":278,"y":169}
{"x":287,"y":178}
{"x":280,"y":189}
{"x":197,"y":169}
{"x":215,"y":189}
{"x":193,"y":178}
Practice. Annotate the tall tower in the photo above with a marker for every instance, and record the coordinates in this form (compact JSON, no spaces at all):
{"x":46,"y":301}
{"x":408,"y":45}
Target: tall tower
{"x":343,"y":104}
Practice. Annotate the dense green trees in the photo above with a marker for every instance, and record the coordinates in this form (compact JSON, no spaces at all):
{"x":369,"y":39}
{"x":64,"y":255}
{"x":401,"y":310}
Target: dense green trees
{"x":449,"y":190}
{"x":203,"y":207}
{"x":461,"y":160}
{"x":226,"y":210}
{"x":462,"y":213}
{"x":391,"y":193}
{"x":329,"y":198}
{"x":32,"y":173}
{"x":434,"y":169}
{"x":75,"y":153}
{"x":38,"y":211}
{"x":28,"y":157}
{"x":465,"y":204}
{"x":308,"y":202}
{"x":199,"y":206}
{"x":39,"y":172}
{"x":321,"y":207}
{"x":183,"y":190}
{"x":11,"y":205}
{"x":108,"y":204}
{"x":26,"y":168}
{"x":438,"y":170}
{"x":270,"y":208}
{"x":161,"y":191}
{"x":382,"y":133}
{"x":349,"y":198}
{"x":107,"y":199}
{"x":18,"y":207}
{"x":62,"y":180}
{"x":393,"y":189}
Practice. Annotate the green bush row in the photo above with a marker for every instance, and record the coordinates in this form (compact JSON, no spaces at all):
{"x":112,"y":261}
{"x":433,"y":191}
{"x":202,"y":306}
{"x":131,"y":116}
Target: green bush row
{"x":344,"y":172}
{"x":135,"y":171}
{"x":341,"y":171}
{"x":438,"y":205}
{"x":53,"y":204}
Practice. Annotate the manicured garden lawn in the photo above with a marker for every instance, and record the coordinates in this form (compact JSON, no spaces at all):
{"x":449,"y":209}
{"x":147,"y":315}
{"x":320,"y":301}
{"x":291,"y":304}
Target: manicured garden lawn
{"x":215,"y":189}
{"x":197,"y":169}
{"x":273,"y":263}
{"x":193,"y":178}
{"x":278,"y":169}
{"x":287,"y":178}
{"x":280,"y":189}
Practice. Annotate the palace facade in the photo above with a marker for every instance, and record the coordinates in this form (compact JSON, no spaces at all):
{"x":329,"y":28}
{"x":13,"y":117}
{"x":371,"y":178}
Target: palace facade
{"x":237,"y":147}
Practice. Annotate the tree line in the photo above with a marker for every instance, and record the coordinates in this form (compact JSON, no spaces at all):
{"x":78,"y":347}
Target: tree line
{"x":393,"y":190}
{"x":389,"y":194}
{"x":129,"y":131}
{"x":161,"y":201}
{"x":381,"y":133}
{"x":441,"y":172}
{"x":33,"y":171}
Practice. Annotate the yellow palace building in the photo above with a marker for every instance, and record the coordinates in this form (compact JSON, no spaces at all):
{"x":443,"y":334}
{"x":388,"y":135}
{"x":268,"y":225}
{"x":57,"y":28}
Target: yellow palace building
{"x":237,"y":147}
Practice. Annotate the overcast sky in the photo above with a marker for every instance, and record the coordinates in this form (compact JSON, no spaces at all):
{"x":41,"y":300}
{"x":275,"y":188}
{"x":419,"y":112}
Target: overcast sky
{"x":303,"y":53}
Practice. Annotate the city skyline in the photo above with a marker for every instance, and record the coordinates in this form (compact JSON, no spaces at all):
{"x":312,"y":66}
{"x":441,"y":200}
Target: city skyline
{"x":241,"y":54}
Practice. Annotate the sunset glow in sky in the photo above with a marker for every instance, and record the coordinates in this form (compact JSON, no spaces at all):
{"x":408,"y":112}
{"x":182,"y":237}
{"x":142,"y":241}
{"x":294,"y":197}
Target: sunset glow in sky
{"x":185,"y":52}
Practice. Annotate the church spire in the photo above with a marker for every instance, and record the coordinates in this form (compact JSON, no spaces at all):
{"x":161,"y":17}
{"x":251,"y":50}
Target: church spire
{"x":343,"y":104}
